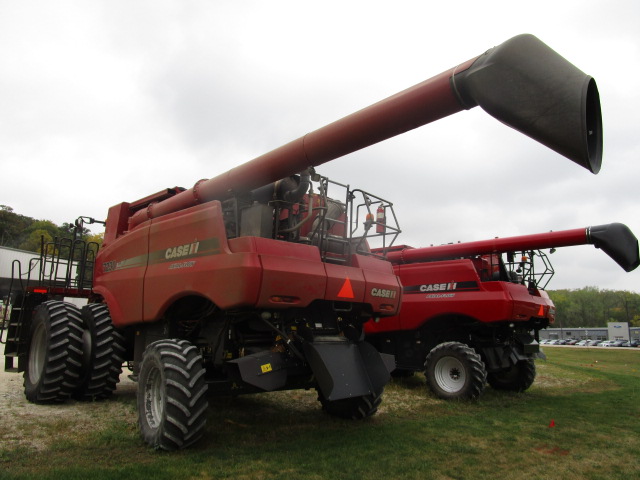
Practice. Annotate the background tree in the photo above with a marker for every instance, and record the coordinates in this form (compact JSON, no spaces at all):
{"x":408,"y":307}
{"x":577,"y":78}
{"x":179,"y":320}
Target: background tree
{"x":592,"y":307}
{"x":13,"y":227}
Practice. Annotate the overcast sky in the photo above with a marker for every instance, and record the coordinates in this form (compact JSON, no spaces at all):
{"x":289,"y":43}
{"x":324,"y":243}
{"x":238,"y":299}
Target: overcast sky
{"x":109,"y":101}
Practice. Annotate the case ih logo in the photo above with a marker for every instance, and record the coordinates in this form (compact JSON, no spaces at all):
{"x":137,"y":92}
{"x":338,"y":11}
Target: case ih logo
{"x":383,"y":293}
{"x":442,"y":287}
{"x":438,"y":287}
{"x":181,"y":250}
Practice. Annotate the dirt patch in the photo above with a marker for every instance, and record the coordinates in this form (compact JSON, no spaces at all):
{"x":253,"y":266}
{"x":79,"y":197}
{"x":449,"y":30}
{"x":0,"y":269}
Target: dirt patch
{"x":32,"y":426}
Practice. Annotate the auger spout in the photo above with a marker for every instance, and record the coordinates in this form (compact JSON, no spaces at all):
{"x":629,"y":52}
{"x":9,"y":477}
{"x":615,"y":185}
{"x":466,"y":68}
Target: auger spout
{"x":615,"y":239}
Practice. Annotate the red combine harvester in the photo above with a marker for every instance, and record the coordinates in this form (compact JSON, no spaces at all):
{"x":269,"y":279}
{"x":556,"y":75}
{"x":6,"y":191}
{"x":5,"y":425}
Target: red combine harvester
{"x":252,"y":281}
{"x":470,"y":316}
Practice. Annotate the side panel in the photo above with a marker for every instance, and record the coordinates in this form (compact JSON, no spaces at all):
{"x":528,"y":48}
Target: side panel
{"x":526,"y":305}
{"x":290,"y":281}
{"x":383,"y":288}
{"x":453,"y":288}
{"x":120,"y":269}
{"x":189,"y":255}
{"x":292,"y":274}
{"x":445,"y":288}
{"x":345,"y":284}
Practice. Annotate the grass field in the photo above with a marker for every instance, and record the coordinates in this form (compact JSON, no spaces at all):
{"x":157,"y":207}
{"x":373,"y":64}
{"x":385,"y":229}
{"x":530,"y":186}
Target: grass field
{"x":580,"y":420}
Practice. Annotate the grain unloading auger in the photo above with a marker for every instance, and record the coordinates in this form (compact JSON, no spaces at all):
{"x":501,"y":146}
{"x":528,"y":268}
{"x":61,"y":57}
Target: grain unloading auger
{"x":254,"y":281}
{"x":615,"y":239}
{"x":522,"y":83}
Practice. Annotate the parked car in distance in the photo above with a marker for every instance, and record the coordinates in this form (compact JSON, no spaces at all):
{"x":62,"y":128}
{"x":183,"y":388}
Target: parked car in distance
{"x":582,"y":343}
{"x":611,"y":343}
{"x":593,"y":343}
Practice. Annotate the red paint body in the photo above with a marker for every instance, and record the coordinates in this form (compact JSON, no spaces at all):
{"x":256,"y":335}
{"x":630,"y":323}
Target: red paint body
{"x":464,"y":292}
{"x":244,"y":272}
{"x":458,"y":289}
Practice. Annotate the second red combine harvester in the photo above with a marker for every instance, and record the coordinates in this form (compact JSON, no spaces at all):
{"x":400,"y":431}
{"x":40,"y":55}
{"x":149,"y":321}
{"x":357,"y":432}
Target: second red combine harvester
{"x":252,"y":282}
{"x":471,"y":312}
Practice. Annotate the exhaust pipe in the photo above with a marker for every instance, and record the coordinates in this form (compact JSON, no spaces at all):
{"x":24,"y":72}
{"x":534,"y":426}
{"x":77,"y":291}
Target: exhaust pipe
{"x":529,"y":87}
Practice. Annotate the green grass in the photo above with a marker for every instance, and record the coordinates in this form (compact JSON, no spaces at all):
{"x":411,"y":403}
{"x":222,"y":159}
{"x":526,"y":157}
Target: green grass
{"x":592,"y":396}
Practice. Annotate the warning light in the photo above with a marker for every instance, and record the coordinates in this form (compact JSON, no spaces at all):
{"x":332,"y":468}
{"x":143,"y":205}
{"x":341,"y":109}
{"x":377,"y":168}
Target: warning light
{"x":39,"y":290}
{"x":283,"y":299}
{"x":380,"y":220}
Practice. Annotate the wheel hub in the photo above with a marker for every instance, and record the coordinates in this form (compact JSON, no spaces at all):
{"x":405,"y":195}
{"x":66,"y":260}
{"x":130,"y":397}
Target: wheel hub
{"x":450,"y":374}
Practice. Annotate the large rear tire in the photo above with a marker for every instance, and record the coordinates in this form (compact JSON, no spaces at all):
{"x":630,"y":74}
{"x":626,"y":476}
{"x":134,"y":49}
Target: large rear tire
{"x":518,"y":378}
{"x":455,"y":372}
{"x":103,"y":354}
{"x":172,"y":401}
{"x":54,"y":356}
{"x":356,"y":408}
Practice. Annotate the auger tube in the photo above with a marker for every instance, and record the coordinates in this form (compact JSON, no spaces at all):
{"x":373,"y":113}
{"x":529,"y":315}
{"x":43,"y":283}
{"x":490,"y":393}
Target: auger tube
{"x":615,"y":239}
{"x":522,"y":83}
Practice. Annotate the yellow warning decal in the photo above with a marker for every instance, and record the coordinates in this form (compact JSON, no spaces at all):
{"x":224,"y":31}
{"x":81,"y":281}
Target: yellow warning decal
{"x":266,"y":368}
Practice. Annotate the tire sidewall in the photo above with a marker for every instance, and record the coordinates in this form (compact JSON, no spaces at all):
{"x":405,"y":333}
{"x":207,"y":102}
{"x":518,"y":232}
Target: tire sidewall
{"x":518,"y":378}
{"x":151,"y":365}
{"x":88,"y":350}
{"x":40,"y":321}
{"x":474,"y":379}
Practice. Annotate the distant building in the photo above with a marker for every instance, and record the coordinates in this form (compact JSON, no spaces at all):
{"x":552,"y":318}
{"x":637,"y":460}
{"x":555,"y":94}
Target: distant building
{"x":8,"y":266}
{"x":614,"y":331}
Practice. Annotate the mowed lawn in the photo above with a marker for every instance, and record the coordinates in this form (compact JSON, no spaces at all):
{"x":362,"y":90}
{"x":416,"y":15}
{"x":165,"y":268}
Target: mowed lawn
{"x":580,"y":420}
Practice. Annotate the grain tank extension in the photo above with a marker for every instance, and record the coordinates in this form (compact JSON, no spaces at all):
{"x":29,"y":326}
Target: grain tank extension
{"x":261,"y":278}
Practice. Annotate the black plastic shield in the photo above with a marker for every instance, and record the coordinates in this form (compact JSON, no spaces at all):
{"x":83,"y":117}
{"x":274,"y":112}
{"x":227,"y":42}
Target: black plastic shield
{"x":529,"y":87}
{"x":344,"y":369}
{"x":264,"y":370}
{"x":617,"y":241}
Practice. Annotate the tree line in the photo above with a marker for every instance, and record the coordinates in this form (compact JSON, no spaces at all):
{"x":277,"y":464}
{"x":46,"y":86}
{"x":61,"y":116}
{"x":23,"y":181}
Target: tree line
{"x":26,"y":233}
{"x":593,"y":307}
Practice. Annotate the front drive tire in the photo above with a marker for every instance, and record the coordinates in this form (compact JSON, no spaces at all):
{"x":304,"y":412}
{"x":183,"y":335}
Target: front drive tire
{"x":455,"y":371}
{"x":517,"y":379}
{"x":54,"y":356}
{"x":172,"y":400}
